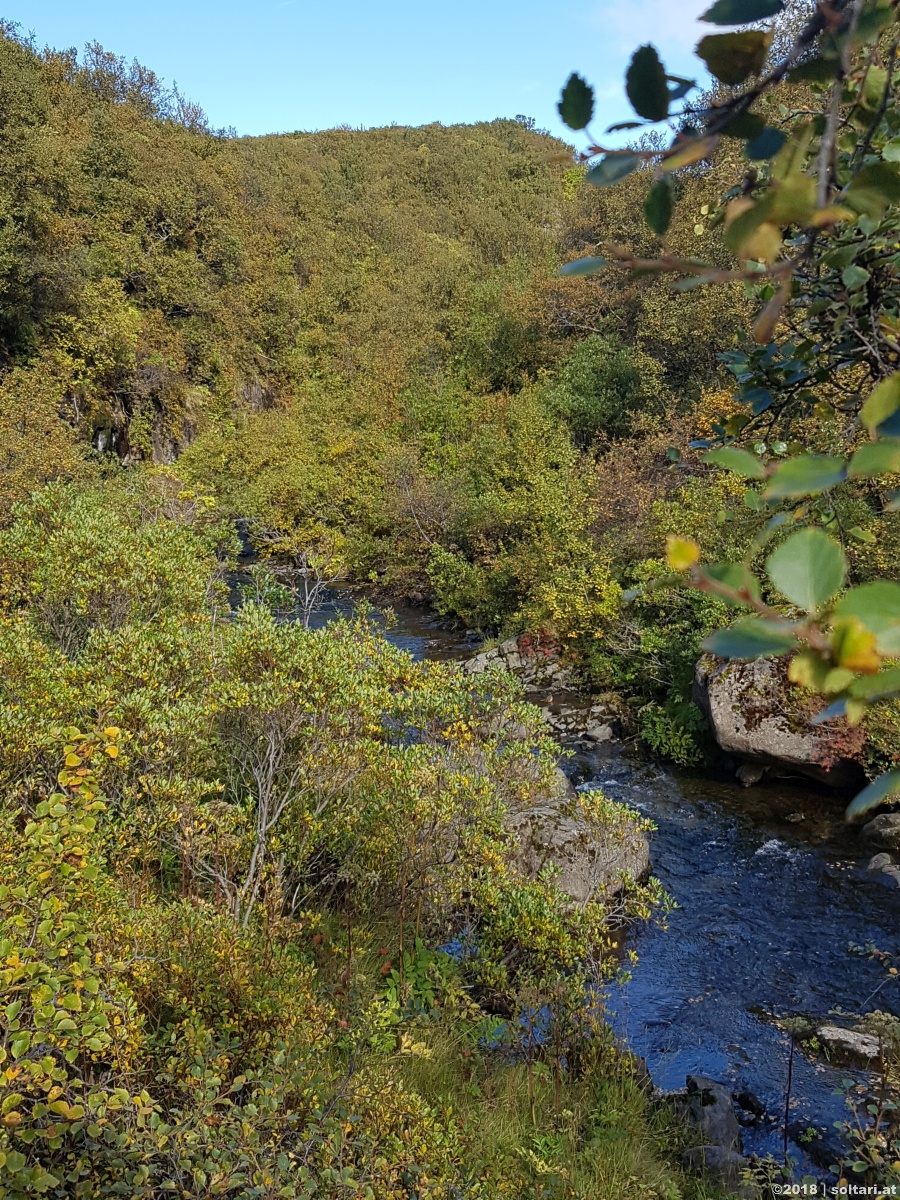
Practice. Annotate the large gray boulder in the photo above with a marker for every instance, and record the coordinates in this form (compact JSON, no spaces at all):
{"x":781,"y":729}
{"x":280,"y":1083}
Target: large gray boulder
{"x":757,"y":715}
{"x":710,"y":1108}
{"x":595,"y":857}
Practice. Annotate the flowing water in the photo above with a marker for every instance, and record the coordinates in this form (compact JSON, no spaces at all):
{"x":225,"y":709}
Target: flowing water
{"x":767,"y":910}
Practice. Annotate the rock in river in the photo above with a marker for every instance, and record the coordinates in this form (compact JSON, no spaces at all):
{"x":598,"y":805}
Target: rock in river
{"x":593,"y":856}
{"x":759,"y":716}
{"x":724,"y":1167}
{"x":849,"y":1047}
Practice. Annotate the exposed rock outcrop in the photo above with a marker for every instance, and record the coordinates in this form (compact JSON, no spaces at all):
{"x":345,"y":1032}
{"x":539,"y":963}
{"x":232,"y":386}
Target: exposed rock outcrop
{"x":569,"y":714}
{"x":707,"y":1106}
{"x":757,"y":715}
{"x":726,"y":1168}
{"x":593,"y":857}
{"x":710,"y":1108}
{"x":536,"y":664}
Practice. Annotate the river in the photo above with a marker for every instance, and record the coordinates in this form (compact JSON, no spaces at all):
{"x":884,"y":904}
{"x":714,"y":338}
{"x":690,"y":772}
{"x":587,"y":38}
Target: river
{"x":767,"y":909}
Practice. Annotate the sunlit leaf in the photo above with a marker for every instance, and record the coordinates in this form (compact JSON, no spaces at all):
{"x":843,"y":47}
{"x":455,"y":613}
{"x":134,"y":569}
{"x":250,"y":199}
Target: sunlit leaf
{"x":808,"y":569}
{"x":806,"y":475}
{"x":877,"y":605}
{"x":750,"y":638}
{"x":876,"y":458}
{"x":883,"y":402}
{"x":854,"y":646}
{"x":687,"y":151}
{"x":681,"y":553}
{"x":741,"y":462}
{"x":765,"y":323}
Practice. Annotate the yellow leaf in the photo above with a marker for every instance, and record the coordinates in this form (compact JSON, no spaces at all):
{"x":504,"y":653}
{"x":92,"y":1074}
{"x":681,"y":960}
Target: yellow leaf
{"x":681,"y":553}
{"x":830,"y":216}
{"x":854,"y":647}
{"x":763,"y":244}
{"x":684,"y":154}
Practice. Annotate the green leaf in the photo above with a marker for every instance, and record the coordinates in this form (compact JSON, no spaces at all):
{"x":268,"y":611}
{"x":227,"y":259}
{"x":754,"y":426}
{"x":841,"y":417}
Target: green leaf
{"x":878,"y":791}
{"x":576,"y":104}
{"x":814,"y":70}
{"x":882,"y":403}
{"x":877,"y":605}
{"x":766,"y":145}
{"x":646,"y":85}
{"x":854,"y":277}
{"x":583,"y":266}
{"x":747,"y":125}
{"x":741,"y":12}
{"x":612,"y":168}
{"x":876,"y":458}
{"x":733,"y":57}
{"x":659,"y":206}
{"x":871,"y":22}
{"x":808,"y":569}
{"x":874,"y":188}
{"x":805,"y":476}
{"x":20,"y":1044}
{"x":876,"y":687}
{"x":737,"y":576}
{"x":752,"y":637}
{"x":891,"y":151}
{"x":741,"y":462}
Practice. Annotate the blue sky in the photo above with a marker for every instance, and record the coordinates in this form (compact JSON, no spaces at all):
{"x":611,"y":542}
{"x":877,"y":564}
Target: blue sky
{"x":275,"y":65}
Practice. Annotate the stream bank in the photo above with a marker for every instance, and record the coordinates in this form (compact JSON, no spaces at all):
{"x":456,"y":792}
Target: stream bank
{"x":771,"y":890}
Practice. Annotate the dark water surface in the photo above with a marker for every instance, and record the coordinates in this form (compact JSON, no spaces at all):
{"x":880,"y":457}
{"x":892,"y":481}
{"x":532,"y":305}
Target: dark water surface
{"x":767,"y":910}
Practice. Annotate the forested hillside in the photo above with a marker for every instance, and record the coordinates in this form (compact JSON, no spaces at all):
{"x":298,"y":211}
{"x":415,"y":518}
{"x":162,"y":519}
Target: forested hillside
{"x":266,"y":928}
{"x":356,"y":340}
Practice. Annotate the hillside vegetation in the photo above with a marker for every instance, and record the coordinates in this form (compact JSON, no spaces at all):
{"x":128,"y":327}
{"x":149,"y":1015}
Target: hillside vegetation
{"x":356,"y":340}
{"x":262,"y":929}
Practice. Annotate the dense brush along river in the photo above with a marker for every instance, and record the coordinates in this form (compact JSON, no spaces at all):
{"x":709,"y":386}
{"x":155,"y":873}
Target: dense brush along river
{"x":767,"y":910}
